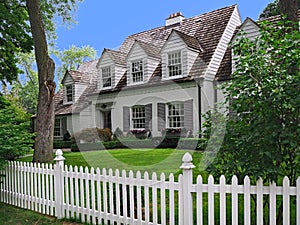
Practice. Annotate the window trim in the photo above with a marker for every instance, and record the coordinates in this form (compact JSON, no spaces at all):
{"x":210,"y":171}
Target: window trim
{"x":136,"y":124}
{"x":180,"y":115}
{"x":132,"y":73}
{"x":67,"y":94}
{"x":108,"y":77}
{"x":168,"y":65}
{"x":60,"y":137}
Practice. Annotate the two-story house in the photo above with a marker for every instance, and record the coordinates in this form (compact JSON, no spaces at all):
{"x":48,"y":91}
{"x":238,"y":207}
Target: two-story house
{"x":161,"y":78}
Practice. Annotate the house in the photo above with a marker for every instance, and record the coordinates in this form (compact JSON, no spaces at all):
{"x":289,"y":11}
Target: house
{"x":161,"y":78}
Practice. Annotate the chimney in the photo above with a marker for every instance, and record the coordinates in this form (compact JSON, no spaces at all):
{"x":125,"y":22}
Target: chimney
{"x":174,"y":18}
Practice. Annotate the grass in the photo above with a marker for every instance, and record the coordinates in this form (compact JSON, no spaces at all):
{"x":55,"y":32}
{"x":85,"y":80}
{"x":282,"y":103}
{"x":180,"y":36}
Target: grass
{"x":16,"y":216}
{"x":152,"y":160}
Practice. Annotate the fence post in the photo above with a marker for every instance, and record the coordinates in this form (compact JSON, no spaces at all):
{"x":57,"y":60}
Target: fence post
{"x":187,"y":182}
{"x":58,"y":184}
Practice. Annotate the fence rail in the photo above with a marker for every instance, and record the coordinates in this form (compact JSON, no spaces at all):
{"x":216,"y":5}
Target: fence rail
{"x":106,"y":197}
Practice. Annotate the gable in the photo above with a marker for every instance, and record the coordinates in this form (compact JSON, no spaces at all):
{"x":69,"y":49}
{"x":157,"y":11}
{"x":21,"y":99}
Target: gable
{"x":136,"y":52}
{"x":250,"y":28}
{"x":105,"y":60}
{"x":67,"y":79}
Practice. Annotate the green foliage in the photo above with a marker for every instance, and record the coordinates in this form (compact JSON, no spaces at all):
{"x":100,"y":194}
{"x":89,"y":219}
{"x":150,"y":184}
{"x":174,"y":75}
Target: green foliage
{"x":14,"y":37}
{"x":263,"y":132}
{"x":272,"y":9}
{"x":74,"y":56}
{"x":15,"y":139}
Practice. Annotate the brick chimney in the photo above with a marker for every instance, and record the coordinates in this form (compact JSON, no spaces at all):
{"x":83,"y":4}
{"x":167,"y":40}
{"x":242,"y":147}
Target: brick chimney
{"x":174,"y":18}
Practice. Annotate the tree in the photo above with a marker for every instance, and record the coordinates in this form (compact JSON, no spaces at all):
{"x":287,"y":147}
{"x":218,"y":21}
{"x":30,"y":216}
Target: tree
{"x":74,"y":56}
{"x":273,"y":8}
{"x":14,"y":38}
{"x":45,"y":112}
{"x":25,"y":89}
{"x":263,"y":135}
{"x":15,"y":138}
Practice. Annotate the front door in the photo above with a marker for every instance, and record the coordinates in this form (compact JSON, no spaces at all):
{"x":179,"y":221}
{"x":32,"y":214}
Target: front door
{"x":107,"y":119}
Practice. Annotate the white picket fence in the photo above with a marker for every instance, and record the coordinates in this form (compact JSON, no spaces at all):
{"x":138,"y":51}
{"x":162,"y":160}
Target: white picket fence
{"x":104,"y":197}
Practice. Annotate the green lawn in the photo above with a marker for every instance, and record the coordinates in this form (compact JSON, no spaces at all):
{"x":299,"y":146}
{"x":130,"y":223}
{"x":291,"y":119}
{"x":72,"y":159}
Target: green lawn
{"x":10,"y":215}
{"x":151,"y":160}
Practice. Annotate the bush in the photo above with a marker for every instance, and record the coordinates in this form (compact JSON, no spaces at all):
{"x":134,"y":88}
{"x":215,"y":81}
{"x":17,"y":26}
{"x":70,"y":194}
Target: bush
{"x":118,"y":133}
{"x":62,"y":144}
{"x":96,"y":146}
{"x":92,"y":135}
{"x":174,"y":132}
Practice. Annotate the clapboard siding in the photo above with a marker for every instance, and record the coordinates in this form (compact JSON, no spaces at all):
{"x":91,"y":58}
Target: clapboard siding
{"x":223,"y":44}
{"x":188,"y":56}
{"x":78,"y":90}
{"x":151,"y":66}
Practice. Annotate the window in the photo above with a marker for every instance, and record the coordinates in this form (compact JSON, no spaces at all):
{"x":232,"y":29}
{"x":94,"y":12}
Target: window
{"x":137,"y":71}
{"x":176,"y":115}
{"x":174,"y":64}
{"x":69,"y":93}
{"x":138,"y":117}
{"x":106,"y":77}
{"x":58,"y":128}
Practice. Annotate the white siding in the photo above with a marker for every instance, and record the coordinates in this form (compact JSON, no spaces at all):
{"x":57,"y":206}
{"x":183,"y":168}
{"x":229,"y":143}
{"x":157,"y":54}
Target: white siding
{"x":188,"y":56}
{"x":79,"y":89}
{"x":154,"y":95}
{"x":105,"y":61}
{"x":86,"y":118}
{"x":223,"y":44}
{"x":118,"y":73}
{"x":136,"y":53}
{"x":151,"y":65}
{"x":67,"y":81}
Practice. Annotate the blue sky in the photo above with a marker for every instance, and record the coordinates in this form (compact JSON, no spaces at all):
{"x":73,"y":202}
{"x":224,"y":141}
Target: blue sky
{"x":105,"y":24}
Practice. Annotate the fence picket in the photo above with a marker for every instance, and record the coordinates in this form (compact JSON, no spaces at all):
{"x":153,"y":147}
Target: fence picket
{"x":222,"y":200}
{"x":146,"y":198}
{"x":247,"y":201}
{"x":211,"y":201}
{"x":286,"y":201}
{"x":259,"y":202}
{"x":115,"y":198}
{"x":272,"y":203}
{"x":234,"y":201}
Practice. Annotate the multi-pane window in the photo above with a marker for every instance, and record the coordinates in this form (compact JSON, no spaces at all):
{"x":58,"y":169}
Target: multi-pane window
{"x":69,"y":93}
{"x":106,"y":77}
{"x":58,"y":133}
{"x":138,"y":117}
{"x":137,"y":71}
{"x":174,"y":64}
{"x":176,"y":115}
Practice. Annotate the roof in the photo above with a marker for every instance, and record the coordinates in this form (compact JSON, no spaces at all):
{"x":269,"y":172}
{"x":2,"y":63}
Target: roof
{"x":202,"y":32}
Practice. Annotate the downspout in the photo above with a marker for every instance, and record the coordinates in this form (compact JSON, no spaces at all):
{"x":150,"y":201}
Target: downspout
{"x":199,"y":109}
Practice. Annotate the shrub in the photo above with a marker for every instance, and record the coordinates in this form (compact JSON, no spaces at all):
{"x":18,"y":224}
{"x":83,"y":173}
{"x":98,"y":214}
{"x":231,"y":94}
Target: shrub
{"x":174,"y":132}
{"x":62,"y":144}
{"x":92,"y":135}
{"x":76,"y":147}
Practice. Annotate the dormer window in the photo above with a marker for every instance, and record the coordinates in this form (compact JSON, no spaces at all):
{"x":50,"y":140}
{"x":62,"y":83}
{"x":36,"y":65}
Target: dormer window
{"x":69,"y":93}
{"x":137,"y":71}
{"x":106,"y":77}
{"x":174,"y":64}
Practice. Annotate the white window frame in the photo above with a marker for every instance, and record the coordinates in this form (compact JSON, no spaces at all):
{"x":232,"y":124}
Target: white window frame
{"x":69,"y":94}
{"x":138,"y":117}
{"x":175,"y":114}
{"x":174,"y":60}
{"x":137,"y":69}
{"x":58,"y":128}
{"x":106,"y":77}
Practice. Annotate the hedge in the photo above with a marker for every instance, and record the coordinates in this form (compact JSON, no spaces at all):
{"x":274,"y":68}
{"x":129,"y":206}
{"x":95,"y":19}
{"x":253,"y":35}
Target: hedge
{"x":62,"y":144}
{"x":156,"y":142}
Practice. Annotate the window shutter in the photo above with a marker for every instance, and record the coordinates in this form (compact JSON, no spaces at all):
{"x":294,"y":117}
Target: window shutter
{"x":64,"y":125}
{"x":126,"y":118}
{"x":188,"y":115}
{"x":148,"y":117}
{"x":161,"y":112}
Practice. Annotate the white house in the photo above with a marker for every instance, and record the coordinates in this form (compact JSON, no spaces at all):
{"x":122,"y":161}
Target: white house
{"x":161,"y":78}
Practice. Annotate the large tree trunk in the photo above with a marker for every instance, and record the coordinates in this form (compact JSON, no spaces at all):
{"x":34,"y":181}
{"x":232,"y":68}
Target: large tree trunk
{"x":289,"y":8}
{"x":45,"y":113}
